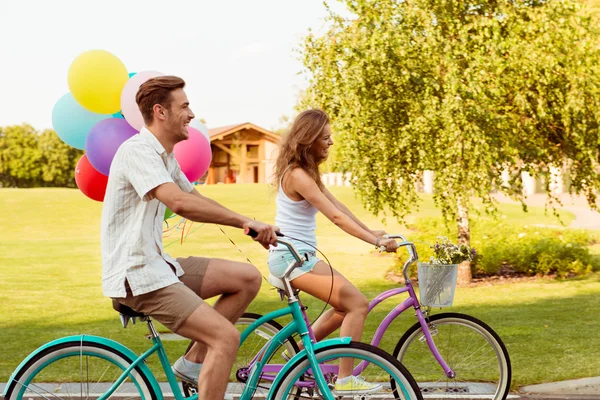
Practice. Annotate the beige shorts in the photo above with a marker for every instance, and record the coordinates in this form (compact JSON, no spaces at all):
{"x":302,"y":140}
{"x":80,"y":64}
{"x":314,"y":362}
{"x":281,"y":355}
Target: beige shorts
{"x":173,"y":304}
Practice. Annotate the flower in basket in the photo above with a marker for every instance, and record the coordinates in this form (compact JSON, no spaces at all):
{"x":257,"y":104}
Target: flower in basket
{"x":446,"y":253}
{"x":437,"y":278}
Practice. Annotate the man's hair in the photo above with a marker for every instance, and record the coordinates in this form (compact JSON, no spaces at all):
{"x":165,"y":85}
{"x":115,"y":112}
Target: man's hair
{"x":157,"y":91}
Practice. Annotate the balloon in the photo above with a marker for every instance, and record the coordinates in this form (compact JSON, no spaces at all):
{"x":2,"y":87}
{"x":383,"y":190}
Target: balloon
{"x":120,"y":113}
{"x":104,"y":140}
{"x":129,"y":107}
{"x":91,"y":182}
{"x":96,"y":79}
{"x":168,"y":213}
{"x":193,"y":155}
{"x":72,"y":122}
{"x":197,"y":124}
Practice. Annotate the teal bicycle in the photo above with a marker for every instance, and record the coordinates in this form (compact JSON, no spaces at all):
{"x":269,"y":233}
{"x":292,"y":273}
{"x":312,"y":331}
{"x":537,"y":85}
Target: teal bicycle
{"x":92,"y":367}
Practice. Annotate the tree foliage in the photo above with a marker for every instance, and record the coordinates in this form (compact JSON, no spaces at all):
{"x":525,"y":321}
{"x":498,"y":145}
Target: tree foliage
{"x":466,"y":89}
{"x":30,"y":159}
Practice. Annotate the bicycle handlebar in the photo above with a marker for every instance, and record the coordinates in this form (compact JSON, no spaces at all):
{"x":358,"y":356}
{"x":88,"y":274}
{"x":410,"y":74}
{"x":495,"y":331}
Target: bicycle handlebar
{"x":412,"y":251}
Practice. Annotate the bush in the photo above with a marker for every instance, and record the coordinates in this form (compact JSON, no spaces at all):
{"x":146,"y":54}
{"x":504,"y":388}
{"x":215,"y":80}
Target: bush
{"x":509,"y":248}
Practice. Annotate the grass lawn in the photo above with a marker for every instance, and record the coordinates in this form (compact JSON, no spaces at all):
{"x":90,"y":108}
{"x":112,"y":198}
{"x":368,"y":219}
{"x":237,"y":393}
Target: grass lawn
{"x":50,"y":282}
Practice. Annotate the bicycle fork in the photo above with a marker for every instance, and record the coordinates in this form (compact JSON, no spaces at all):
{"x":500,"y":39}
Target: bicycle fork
{"x":424,"y":322}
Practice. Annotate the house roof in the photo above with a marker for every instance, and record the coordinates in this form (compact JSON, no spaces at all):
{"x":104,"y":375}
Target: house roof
{"x":222,"y":131}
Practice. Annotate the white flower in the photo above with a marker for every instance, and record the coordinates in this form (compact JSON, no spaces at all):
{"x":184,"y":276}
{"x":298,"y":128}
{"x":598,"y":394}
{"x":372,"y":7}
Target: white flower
{"x":522,"y":234}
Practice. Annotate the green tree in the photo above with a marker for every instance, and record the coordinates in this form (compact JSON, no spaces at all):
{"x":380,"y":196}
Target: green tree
{"x":466,"y":89}
{"x":58,"y":160}
{"x":29,"y":159}
{"x":20,"y":158}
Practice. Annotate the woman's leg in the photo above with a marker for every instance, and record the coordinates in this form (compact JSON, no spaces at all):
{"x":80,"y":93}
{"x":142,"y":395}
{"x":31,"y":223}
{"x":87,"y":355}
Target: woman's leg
{"x":350,"y":306}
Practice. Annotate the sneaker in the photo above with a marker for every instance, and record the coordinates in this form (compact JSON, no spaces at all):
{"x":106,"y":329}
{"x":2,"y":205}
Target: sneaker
{"x":189,"y":371}
{"x":356,"y":385}
{"x":186,"y":370}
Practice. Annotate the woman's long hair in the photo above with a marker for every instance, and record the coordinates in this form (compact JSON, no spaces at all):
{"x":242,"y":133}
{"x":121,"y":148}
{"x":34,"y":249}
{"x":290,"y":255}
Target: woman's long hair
{"x":295,"y":148}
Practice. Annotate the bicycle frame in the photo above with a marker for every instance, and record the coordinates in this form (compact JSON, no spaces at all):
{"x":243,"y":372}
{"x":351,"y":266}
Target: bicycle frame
{"x":298,"y":325}
{"x":157,"y":347}
{"x":413,"y":302}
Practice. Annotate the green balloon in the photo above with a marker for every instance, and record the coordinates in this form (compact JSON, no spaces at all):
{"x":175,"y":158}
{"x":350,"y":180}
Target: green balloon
{"x":168,"y":213}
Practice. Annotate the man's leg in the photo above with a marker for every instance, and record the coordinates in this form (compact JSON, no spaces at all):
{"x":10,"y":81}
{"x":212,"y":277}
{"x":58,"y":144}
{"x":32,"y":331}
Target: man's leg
{"x":221,"y":340}
{"x":237,"y":283}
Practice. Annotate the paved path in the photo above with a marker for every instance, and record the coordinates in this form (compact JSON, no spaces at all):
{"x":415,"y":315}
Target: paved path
{"x":585,"y":217}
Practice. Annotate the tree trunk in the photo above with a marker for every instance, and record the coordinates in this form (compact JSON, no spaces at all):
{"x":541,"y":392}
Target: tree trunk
{"x":464,"y":236}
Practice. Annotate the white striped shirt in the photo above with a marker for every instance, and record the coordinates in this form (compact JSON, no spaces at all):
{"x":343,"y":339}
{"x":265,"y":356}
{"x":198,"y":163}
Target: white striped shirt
{"x":132,"y":221}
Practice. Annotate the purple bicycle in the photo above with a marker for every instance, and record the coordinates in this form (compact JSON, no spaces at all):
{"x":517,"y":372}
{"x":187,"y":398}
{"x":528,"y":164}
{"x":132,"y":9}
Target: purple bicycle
{"x":450,"y":355}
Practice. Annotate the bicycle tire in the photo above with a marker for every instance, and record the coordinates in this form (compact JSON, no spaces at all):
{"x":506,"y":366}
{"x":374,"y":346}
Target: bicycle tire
{"x":489,"y":378}
{"x":392,"y":369}
{"x":58,"y":356}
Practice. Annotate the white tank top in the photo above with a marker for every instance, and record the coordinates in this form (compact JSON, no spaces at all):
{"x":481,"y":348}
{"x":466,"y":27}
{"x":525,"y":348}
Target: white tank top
{"x":296,"y":219}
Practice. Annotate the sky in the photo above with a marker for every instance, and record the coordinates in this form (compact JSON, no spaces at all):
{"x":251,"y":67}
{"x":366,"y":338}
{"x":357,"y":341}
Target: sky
{"x":237,"y":57}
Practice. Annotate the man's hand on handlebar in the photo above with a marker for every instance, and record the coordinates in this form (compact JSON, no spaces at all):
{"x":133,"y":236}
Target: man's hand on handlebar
{"x":263,"y":233}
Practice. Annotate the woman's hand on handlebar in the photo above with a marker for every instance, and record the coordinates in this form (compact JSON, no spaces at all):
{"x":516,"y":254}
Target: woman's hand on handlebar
{"x":390,"y":245}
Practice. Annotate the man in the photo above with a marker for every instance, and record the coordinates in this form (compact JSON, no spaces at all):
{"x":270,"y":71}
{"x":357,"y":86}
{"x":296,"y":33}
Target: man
{"x":144,"y":178}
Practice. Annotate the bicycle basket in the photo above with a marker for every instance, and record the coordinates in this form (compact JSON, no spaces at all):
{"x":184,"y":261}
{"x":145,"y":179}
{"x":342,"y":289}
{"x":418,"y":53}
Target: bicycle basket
{"x":437,"y":283}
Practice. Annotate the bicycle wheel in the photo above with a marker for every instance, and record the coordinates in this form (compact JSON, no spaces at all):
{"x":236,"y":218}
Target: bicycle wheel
{"x":382,"y":368}
{"x":250,"y":348}
{"x":78,"y":369}
{"x":470,"y":347}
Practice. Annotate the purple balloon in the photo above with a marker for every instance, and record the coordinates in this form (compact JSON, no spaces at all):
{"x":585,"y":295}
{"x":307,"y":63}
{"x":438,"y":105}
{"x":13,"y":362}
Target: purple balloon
{"x":104,"y":140}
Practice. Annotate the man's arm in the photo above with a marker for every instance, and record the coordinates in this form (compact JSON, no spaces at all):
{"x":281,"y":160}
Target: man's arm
{"x":199,"y":208}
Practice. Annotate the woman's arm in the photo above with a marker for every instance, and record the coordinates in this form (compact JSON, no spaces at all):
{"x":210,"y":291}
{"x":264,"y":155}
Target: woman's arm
{"x":346,"y":211}
{"x":300,"y":182}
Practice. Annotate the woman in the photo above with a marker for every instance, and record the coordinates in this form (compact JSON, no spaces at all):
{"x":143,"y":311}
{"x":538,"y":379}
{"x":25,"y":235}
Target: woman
{"x":301,"y":194}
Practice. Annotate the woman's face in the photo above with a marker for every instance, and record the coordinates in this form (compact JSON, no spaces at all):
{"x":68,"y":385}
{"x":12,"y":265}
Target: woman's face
{"x":320,"y":148}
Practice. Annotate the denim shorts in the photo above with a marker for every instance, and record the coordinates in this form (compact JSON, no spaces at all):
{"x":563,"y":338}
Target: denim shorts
{"x":280,"y":260}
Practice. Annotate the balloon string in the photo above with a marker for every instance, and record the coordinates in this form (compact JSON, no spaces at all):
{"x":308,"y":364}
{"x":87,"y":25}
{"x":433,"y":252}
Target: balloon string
{"x":183,"y":236}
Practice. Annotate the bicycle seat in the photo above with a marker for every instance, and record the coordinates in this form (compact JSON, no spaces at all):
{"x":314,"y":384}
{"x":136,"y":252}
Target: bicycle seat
{"x":277,"y":282}
{"x":126,"y":311}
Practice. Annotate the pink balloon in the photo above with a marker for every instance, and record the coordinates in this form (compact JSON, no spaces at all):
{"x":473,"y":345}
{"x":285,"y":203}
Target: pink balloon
{"x":129,"y":107}
{"x":193,"y":155}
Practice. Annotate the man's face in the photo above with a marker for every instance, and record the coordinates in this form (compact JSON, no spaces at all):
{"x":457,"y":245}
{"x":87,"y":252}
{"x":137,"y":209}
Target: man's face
{"x":179,"y":115}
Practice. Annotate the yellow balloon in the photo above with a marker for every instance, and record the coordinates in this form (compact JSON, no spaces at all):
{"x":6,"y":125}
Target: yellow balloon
{"x":96,"y":79}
